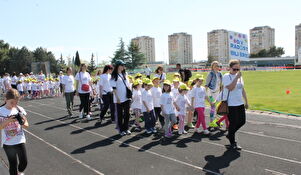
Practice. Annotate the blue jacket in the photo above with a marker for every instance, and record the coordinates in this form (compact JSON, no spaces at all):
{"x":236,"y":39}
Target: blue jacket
{"x":212,"y":78}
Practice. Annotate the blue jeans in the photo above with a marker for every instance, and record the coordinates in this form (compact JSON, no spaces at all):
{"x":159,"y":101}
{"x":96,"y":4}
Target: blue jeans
{"x":149,"y":119}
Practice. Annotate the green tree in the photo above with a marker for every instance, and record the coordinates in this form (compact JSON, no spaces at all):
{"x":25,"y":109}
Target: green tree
{"x":134,"y":57}
{"x":77,"y":59}
{"x":92,"y":66}
{"x":61,"y":63}
{"x":120,"y":53}
{"x":272,"y":52}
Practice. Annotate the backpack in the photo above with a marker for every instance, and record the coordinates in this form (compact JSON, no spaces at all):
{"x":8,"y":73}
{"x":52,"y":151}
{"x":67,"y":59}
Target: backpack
{"x":187,"y":73}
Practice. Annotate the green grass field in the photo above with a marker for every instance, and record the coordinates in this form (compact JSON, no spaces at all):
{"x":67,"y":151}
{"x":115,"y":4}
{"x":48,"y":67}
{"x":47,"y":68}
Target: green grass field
{"x":267,"y":90}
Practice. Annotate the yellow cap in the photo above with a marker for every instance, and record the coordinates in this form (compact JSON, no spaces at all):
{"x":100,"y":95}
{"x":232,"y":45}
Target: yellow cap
{"x":167,"y":82}
{"x":155,"y":78}
{"x":184,"y":87}
{"x":176,"y":74}
{"x":130,"y":77}
{"x":149,"y":82}
{"x":190,"y":82}
{"x":137,"y":82}
{"x":176,"y":80}
{"x":144,"y":80}
{"x":199,"y":76}
{"x":138,"y":75}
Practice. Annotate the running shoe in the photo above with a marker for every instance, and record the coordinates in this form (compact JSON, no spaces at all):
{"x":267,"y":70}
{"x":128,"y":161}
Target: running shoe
{"x":206,"y":132}
{"x":89,"y":117}
{"x":190,"y":125}
{"x":81,"y":115}
{"x":128,"y":132}
{"x":148,"y":131}
{"x":154,"y":130}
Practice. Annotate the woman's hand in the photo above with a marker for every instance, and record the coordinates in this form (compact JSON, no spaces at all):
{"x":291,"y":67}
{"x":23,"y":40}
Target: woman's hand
{"x":246,"y":106}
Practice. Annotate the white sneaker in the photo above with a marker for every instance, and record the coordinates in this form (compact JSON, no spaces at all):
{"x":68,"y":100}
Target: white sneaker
{"x":184,"y":132}
{"x":206,"y":132}
{"x":123,"y":133}
{"x":128,"y":132}
{"x":81,"y":115}
{"x":198,"y":130}
{"x":89,"y":117}
{"x":180,"y":132}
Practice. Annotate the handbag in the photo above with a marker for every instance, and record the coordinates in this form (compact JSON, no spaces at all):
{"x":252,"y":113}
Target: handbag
{"x":85,"y":87}
{"x":223,"y":108}
{"x":129,"y":93}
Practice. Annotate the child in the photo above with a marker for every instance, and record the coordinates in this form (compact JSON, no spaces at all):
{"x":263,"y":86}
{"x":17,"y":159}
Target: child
{"x":46,"y":87}
{"x":148,"y":108}
{"x":13,"y":137}
{"x":20,"y":88}
{"x":156,"y":93}
{"x":190,"y":110}
{"x":137,"y":103}
{"x":175,"y":87}
{"x":168,"y":109}
{"x":181,"y":103}
{"x":198,"y":102}
{"x":34,"y":89}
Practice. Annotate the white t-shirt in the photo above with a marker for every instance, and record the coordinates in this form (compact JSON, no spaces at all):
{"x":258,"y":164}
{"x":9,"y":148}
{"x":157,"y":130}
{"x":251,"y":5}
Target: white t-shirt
{"x":167,"y":101}
{"x":182,"y":101}
{"x":156,"y":93}
{"x":14,"y":80}
{"x":175,"y":92}
{"x":28,"y":86}
{"x":83,"y":78}
{"x":68,"y":81}
{"x":61,"y":78}
{"x":148,"y":99}
{"x":199,"y":94}
{"x":45,"y":85}
{"x":161,"y":77}
{"x":137,"y":99}
{"x":235,"y":96}
{"x":20,"y":87}
{"x":41,"y":77}
{"x":147,"y":71}
{"x":120,"y":88}
{"x":13,"y":133}
{"x":34,"y":86}
{"x":7,"y":82}
{"x":105,"y":83}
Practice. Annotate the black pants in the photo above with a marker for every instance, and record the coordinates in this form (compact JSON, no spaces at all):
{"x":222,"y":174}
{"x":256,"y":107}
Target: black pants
{"x":123,"y":113}
{"x":61,"y":87}
{"x":84,"y":102}
{"x":159,"y":116}
{"x":149,"y":120}
{"x":13,"y":152}
{"x":237,"y":118}
{"x":14,"y":86}
{"x":107,"y":102}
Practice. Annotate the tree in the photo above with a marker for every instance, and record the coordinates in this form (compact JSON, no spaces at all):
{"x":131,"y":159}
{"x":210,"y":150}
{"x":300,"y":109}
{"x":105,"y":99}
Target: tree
{"x":134,"y":57}
{"x":77,"y":59}
{"x":92,"y":67}
{"x":61,"y":63}
{"x":272,"y":52}
{"x":210,"y":59}
{"x":120,"y":53}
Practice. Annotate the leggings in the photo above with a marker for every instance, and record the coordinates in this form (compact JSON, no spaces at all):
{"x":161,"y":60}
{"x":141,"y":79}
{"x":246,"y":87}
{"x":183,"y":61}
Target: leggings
{"x":201,"y":117}
{"x":181,"y":122}
{"x":13,"y":153}
{"x":84,"y":102}
{"x":237,"y":118}
{"x":225,"y":117}
{"x":123,"y":112}
{"x":107,"y":103}
{"x":159,"y":116}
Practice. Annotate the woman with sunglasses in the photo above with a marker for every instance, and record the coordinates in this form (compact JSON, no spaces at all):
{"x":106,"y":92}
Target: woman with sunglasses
{"x":235,"y":94}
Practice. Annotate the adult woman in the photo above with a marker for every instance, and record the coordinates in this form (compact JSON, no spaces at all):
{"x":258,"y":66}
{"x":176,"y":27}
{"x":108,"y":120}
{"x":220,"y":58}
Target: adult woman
{"x":234,"y":93}
{"x":68,"y":89}
{"x":14,"y":80}
{"x":106,"y":92}
{"x":121,"y":86}
{"x":13,"y":137}
{"x":213,"y":85}
{"x":160,"y":74}
{"x":84,"y":87}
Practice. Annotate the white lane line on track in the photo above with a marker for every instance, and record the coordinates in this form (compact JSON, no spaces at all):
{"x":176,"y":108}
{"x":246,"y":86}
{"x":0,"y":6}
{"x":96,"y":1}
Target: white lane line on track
{"x":243,"y":132}
{"x":66,"y":154}
{"x":274,"y":172}
{"x":211,"y":143}
{"x":130,"y":145}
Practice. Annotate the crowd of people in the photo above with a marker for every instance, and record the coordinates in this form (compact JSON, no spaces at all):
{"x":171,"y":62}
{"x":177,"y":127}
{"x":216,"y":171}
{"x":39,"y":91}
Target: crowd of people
{"x":155,"y":102}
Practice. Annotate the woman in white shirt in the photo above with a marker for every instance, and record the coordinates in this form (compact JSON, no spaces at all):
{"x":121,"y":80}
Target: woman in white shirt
{"x":68,"y":89}
{"x":83,"y":89}
{"x":106,"y":93}
{"x":235,"y":94}
{"x":12,"y":132}
{"x":160,"y":74}
{"x":121,"y":86}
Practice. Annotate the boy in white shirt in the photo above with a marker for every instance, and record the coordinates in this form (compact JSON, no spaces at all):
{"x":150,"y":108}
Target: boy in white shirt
{"x":148,"y":108}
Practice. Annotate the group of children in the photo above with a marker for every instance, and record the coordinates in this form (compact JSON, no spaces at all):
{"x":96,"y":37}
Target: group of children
{"x":33,"y":89}
{"x":169,"y":104}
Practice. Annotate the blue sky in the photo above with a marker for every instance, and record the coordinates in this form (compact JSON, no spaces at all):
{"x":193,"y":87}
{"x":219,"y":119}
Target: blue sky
{"x":64,"y":26}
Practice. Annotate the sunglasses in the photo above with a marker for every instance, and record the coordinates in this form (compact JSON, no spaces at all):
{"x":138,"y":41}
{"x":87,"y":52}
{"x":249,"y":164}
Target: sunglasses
{"x":236,"y":69}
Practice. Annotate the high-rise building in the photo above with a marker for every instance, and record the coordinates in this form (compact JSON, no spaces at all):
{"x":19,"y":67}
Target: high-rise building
{"x":261,"y":38}
{"x":180,"y":48}
{"x":297,"y":39}
{"x":146,"y":46}
{"x":218,"y":46}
